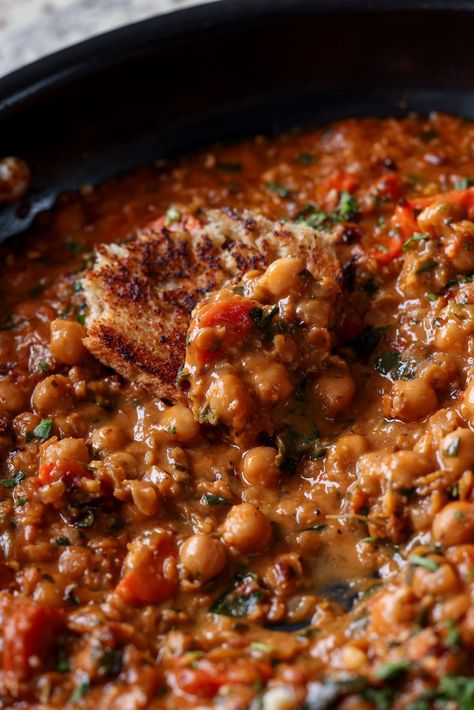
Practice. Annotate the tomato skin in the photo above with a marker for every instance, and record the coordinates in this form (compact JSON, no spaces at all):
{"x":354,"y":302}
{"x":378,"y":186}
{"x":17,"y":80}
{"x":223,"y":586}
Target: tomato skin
{"x":69,"y":471}
{"x":147,"y":582}
{"x":341,"y":181}
{"x":464,"y":198}
{"x":232,"y":313}
{"x":205,"y":680}
{"x":31,"y":630}
{"x":198,"y":682}
{"x":388,"y":186}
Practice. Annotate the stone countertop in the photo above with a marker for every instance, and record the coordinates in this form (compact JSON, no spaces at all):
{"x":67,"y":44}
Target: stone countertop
{"x":29,"y":29}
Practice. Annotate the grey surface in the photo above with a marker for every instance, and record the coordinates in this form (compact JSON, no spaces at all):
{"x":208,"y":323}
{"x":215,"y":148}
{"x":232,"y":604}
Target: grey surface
{"x":29,"y":29}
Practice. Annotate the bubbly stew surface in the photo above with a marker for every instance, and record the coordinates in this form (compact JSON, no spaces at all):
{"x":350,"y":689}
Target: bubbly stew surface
{"x":296,"y":530}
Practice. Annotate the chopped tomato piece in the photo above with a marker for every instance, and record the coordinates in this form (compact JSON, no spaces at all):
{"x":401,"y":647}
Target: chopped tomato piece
{"x":207,"y":677}
{"x":187,"y":221}
{"x":198,"y":682}
{"x":151,"y":575}
{"x":389,"y":187}
{"x":340,"y":181}
{"x":387,"y":249}
{"x":464,"y":198}
{"x":29,"y":634}
{"x":232,"y":313}
{"x":404,"y":219}
{"x":69,"y":471}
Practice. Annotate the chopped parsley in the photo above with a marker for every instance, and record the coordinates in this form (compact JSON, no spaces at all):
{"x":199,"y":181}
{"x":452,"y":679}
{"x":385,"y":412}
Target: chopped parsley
{"x":43,"y":366}
{"x":80,"y":691}
{"x":43,"y":429}
{"x":212,"y":499}
{"x":427,"y":266}
{"x":280,"y":190}
{"x":305,"y":159}
{"x":416,"y":237}
{"x":172,"y":215}
{"x":463,"y":183}
{"x":390,"y":364}
{"x":347,"y":207}
{"x":14,"y":481}
{"x":393,"y":669}
{"x":419,"y":561}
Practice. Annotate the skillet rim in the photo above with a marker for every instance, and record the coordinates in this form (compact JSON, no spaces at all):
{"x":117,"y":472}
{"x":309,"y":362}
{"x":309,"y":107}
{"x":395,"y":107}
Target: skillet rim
{"x":21,"y":86}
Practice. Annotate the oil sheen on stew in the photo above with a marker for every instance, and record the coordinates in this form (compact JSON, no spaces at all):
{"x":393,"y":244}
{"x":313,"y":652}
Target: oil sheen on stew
{"x":159,"y":554}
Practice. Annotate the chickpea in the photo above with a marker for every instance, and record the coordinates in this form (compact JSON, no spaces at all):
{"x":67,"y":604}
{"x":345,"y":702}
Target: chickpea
{"x":439,"y":582}
{"x":459,"y":245}
{"x":402,"y":468}
{"x":179,"y":423}
{"x":247,"y":529}
{"x":335,"y":392}
{"x":229,"y":399}
{"x":68,"y":449}
{"x":203,"y":557}
{"x":12,"y":397}
{"x":273,"y":384}
{"x":66,"y":341}
{"x":450,"y":337}
{"x":259,"y":467}
{"x":410,"y":400}
{"x":52,"y":395}
{"x":454,"y":524}
{"x":283,"y":276}
{"x":468,"y":401}
{"x":109,"y":437}
{"x":348,"y":449}
{"x":457,"y":450}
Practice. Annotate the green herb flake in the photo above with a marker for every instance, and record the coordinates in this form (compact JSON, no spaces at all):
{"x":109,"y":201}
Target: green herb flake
{"x":316,"y":528}
{"x":419,"y":561}
{"x":43,"y":366}
{"x":20,"y":501}
{"x":347,"y":207}
{"x":62,"y":661}
{"x":10,"y":483}
{"x":80,"y":691}
{"x":43,"y":429}
{"x":172,"y":215}
{"x":236,"y":605}
{"x":261,"y":647}
{"x":208,"y":416}
{"x":392,"y":670}
{"x":431,"y":296}
{"x":463,"y":183}
{"x":416,"y":237}
{"x":453,"y":636}
{"x":427,"y":266}
{"x":390,"y":364}
{"x":305,"y":159}
{"x":213,"y":499}
{"x":453,"y":447}
{"x":280,"y":190}
{"x":81,"y":319}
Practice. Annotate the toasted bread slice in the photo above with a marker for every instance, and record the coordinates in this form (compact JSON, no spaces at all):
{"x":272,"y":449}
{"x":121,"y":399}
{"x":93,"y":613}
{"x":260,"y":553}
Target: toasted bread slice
{"x":140,"y":294}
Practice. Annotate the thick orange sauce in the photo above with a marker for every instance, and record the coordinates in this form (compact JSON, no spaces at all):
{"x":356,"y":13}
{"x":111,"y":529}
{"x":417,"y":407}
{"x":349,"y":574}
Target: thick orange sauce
{"x":153,"y":560}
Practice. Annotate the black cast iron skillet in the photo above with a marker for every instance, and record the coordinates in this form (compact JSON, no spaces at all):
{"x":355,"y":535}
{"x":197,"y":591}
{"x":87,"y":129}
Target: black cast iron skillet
{"x":222,"y":71}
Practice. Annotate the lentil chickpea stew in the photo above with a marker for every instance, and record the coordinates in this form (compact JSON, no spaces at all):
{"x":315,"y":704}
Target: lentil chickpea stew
{"x":297,"y":529}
